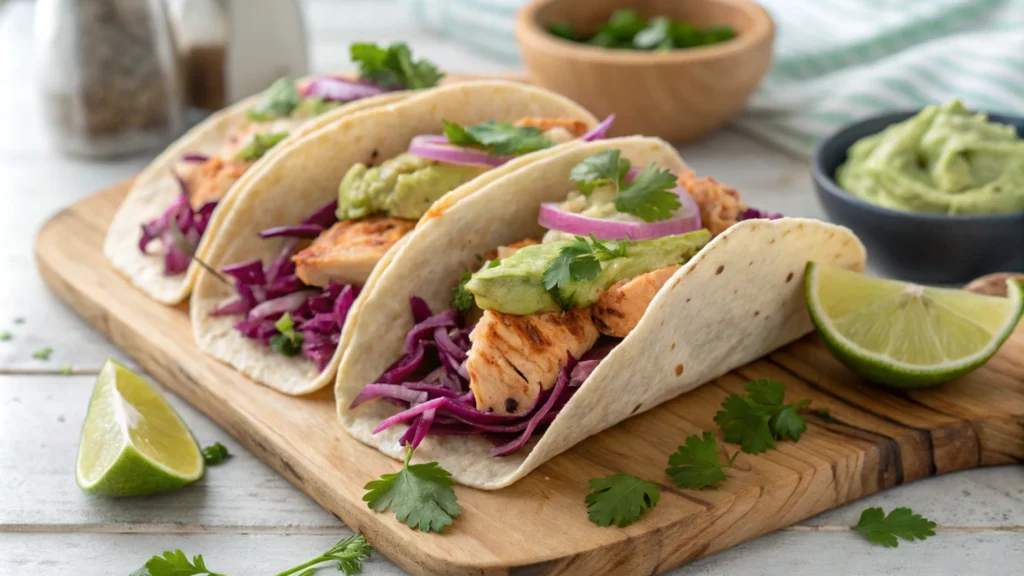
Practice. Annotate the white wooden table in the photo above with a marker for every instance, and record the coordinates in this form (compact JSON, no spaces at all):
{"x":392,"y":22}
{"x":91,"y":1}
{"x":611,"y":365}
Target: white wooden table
{"x":243,"y":517}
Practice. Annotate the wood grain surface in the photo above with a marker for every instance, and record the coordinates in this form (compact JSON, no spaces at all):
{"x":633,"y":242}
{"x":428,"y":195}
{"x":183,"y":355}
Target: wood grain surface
{"x":870,"y":439}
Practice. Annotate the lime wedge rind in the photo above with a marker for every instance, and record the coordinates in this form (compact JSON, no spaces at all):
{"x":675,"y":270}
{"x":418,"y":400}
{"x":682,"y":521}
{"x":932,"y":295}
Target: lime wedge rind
{"x":128,"y":429}
{"x":884,"y":369}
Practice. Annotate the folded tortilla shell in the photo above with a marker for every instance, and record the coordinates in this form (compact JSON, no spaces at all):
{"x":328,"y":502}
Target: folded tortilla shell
{"x":306,"y":175}
{"x":738,"y":299}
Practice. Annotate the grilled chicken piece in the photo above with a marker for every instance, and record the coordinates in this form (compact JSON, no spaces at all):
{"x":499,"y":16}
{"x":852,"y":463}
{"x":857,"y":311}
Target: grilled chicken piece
{"x":622,"y":306}
{"x":513,"y":358}
{"x":558,"y":130}
{"x":720,"y":206}
{"x":348,"y":251}
{"x":209,"y":181}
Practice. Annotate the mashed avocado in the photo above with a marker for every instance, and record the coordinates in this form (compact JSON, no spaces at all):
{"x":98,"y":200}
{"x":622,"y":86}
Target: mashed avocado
{"x":944,"y":160}
{"x":404,"y":187}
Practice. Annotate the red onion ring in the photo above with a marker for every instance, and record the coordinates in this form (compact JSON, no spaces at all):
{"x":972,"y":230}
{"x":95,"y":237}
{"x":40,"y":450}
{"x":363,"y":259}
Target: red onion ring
{"x":685,"y":219}
{"x":599,"y":131}
{"x":339,"y":89}
{"x":434,"y":147}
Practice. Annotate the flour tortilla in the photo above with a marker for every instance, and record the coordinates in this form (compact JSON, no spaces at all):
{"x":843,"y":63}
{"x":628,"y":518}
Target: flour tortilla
{"x":738,"y":299}
{"x":306,"y":175}
{"x":155,"y":189}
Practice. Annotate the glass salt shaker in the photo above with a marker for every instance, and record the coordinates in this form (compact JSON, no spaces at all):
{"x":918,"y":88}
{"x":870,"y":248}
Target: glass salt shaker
{"x":108,"y":75}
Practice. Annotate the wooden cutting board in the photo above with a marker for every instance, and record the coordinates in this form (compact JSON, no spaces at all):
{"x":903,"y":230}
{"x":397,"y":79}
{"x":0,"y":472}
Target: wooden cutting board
{"x":870,"y":439}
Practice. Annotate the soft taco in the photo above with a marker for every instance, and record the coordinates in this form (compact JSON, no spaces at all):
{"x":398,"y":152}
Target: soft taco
{"x":560,"y":299}
{"x":318,"y":221}
{"x":171,"y":205}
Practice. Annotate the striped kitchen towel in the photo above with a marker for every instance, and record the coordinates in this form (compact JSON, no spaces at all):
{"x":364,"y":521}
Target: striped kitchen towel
{"x":835,"y":61}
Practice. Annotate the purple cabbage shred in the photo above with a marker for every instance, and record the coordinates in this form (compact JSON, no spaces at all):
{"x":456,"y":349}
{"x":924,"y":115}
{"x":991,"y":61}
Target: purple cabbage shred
{"x":754,"y":213}
{"x":179,"y":230}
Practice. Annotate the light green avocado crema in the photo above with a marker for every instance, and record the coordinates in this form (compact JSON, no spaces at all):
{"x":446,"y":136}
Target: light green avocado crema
{"x":944,"y":160}
{"x":404,"y":187}
{"x":516,"y":284}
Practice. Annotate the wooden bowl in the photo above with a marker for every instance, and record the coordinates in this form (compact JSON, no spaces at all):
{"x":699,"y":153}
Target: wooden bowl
{"x":679,"y":95}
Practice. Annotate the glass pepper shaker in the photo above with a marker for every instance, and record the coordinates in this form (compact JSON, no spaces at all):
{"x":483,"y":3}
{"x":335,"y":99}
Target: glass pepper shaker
{"x":108,"y":75}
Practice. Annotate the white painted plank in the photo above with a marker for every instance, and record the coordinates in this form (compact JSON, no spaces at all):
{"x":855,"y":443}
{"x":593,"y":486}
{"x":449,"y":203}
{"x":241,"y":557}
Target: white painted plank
{"x":40,"y":421}
{"x":779,"y":554}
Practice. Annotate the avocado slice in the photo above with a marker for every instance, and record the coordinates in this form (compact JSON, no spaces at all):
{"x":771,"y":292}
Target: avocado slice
{"x":516,"y":284}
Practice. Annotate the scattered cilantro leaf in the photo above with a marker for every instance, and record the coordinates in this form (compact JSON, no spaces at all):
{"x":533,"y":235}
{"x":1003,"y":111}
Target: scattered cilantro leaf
{"x":288,"y":342}
{"x":5,"y":336}
{"x":494,"y":263}
{"x":259,"y":145}
{"x":901,"y":522}
{"x":177,"y":564}
{"x":696,"y":464}
{"x":602,"y":169}
{"x":649,"y":195}
{"x":462,"y":299}
{"x":19,"y":320}
{"x":759,"y":418}
{"x":349,"y":553}
{"x":215,"y":454}
{"x":277,"y":101}
{"x":393,"y":67}
{"x":620,"y":499}
{"x":43,"y":354}
{"x":421,"y":495}
{"x":67,"y":370}
{"x":497,"y":138}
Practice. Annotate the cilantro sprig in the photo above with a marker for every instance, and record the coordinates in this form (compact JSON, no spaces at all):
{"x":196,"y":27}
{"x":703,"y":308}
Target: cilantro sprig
{"x":696,"y":464}
{"x":175,"y":563}
{"x":620,"y":499}
{"x":759,"y":418}
{"x":648,"y":196}
{"x":462,"y":299}
{"x":288,"y":342}
{"x":277,"y":101}
{"x":349,"y":554}
{"x":393,"y":67}
{"x":421,"y":495}
{"x":580,"y":261}
{"x":215,"y":454}
{"x":497,"y":138}
{"x":901,"y":522}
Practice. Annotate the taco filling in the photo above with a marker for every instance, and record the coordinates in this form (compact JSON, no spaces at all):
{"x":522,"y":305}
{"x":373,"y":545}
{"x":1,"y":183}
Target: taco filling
{"x":530,"y":325}
{"x":299,"y":302}
{"x":281,"y":109}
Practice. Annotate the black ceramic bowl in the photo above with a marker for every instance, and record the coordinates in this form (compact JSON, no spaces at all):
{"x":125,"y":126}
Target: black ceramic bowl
{"x":926,"y":248}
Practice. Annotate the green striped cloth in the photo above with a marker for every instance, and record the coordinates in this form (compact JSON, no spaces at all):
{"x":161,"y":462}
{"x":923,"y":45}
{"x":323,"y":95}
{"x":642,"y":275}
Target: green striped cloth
{"x":835,"y":61}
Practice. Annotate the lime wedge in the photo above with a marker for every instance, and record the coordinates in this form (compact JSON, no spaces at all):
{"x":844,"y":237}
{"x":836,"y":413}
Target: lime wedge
{"x":133,"y":442}
{"x":906,"y":335}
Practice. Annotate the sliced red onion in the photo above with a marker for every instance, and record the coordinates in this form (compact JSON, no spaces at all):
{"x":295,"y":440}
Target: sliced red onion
{"x":686,"y":219}
{"x":194,"y":157}
{"x":432,"y":148}
{"x":340,"y":89}
{"x":279,"y":305}
{"x":297,"y":231}
{"x":599,"y":131}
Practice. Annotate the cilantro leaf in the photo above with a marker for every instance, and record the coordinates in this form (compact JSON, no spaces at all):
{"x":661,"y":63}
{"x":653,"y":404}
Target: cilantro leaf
{"x":67,"y":370}
{"x":19,"y":320}
{"x":696,"y":464}
{"x":259,"y":145}
{"x":277,"y":101}
{"x":601,"y":169}
{"x":462,"y":299}
{"x":5,"y":336}
{"x":620,"y":499}
{"x":655,"y":36}
{"x":215,"y":454}
{"x":575,"y":262}
{"x":349,"y":553}
{"x":177,"y":564}
{"x":605,"y":253}
{"x":288,"y":342}
{"x":497,"y":138}
{"x":393,"y":67}
{"x":43,"y":354}
{"x":757,"y":419}
{"x":421,"y":495}
{"x":902,"y":522}
{"x":649,"y":195}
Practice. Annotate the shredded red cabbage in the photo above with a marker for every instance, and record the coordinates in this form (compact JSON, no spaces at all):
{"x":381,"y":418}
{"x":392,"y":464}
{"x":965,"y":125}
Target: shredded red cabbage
{"x":429,"y":380}
{"x":754,"y":213}
{"x":179,"y":230}
{"x":265,"y":294}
